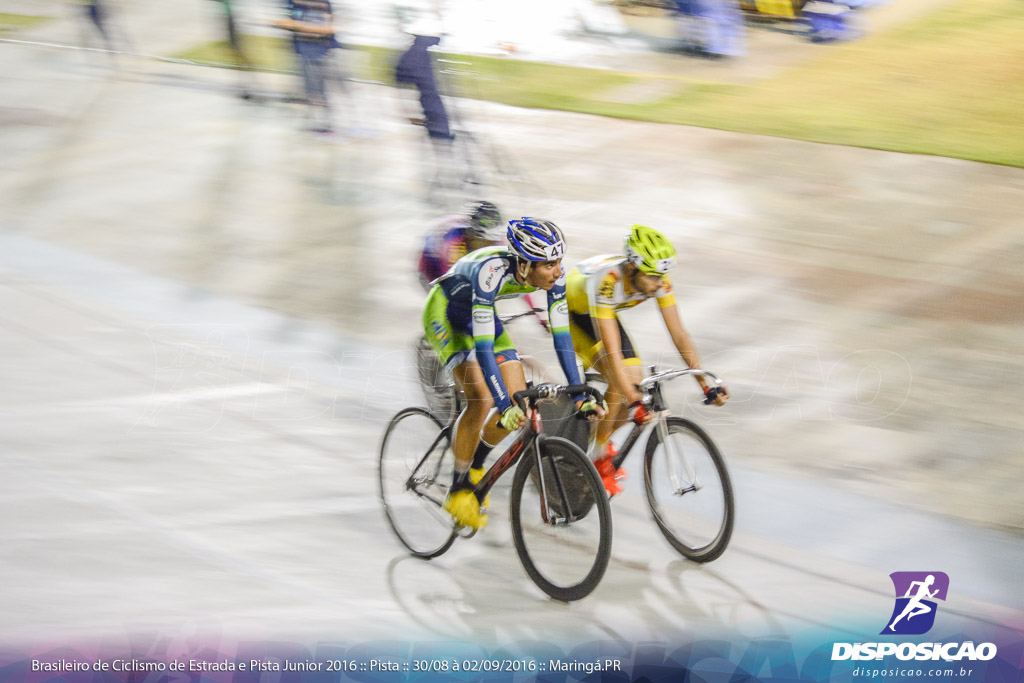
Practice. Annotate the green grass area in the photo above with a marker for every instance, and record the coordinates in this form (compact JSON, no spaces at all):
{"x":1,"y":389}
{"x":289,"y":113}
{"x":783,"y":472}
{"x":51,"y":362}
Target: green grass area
{"x":950,"y":84}
{"x":266,"y":52}
{"x":12,"y":22}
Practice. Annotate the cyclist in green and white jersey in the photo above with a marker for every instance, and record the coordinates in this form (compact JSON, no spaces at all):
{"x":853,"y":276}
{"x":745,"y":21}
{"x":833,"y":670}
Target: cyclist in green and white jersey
{"x":463,"y":329}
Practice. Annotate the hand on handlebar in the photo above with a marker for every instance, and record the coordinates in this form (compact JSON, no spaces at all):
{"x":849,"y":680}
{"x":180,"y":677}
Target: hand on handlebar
{"x":591,"y":409}
{"x":512,"y":418}
{"x":639,"y":414}
{"x":716,"y":395}
{"x":584,"y":393}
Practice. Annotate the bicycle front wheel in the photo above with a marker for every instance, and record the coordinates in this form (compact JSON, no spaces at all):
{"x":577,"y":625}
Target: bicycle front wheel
{"x":689,"y":490}
{"x":416,"y":464}
{"x":561,"y":522}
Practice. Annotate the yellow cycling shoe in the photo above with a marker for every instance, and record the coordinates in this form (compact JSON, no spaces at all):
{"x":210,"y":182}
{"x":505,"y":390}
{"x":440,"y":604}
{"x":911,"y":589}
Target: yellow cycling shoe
{"x":474,"y":477}
{"x":465,"y":508}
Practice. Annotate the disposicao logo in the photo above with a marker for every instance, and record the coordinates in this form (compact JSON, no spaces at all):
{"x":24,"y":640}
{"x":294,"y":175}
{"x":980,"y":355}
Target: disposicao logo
{"x":916,"y":593}
{"x":914,"y":614}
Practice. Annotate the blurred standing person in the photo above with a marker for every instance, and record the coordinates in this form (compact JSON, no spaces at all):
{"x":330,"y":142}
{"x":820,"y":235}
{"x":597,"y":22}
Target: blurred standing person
{"x":99,"y":15}
{"x":234,"y":41}
{"x":712,"y":28}
{"x":728,"y":28}
{"x":416,"y":68}
{"x":312,"y":28}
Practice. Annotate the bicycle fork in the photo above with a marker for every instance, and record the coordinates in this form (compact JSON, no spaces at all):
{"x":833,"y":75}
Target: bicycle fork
{"x":546,"y":513}
{"x":676,"y":461}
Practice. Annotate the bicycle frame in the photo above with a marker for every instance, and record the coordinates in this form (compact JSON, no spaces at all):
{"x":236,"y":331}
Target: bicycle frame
{"x":527,"y":441}
{"x":412,"y":483}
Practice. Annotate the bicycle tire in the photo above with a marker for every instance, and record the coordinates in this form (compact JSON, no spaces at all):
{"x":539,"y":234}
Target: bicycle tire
{"x":415,"y":514}
{"x":569,"y":462}
{"x":720,"y":531}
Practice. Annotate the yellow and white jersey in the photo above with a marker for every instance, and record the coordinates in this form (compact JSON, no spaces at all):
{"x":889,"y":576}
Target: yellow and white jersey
{"x":599,"y":287}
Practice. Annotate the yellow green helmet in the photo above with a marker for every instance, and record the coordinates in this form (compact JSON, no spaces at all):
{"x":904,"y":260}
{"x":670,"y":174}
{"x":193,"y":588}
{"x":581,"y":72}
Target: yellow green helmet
{"x":649,"y":250}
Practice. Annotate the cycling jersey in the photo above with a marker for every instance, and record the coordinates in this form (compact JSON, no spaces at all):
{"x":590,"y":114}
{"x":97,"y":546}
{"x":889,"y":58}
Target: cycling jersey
{"x":445,"y":244}
{"x":599,"y":288}
{"x":460,"y":321}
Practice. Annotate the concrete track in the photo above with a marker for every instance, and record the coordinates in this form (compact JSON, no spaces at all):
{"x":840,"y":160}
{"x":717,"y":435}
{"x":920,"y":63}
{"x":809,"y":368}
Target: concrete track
{"x":206,"y":317}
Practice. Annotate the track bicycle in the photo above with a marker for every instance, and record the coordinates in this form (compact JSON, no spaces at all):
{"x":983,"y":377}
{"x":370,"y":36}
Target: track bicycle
{"x":686,"y":481}
{"x":561,"y":520}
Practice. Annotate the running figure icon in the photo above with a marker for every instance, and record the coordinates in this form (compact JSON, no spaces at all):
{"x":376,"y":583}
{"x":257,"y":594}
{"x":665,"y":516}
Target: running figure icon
{"x":915,"y":606}
{"x":916,"y":595}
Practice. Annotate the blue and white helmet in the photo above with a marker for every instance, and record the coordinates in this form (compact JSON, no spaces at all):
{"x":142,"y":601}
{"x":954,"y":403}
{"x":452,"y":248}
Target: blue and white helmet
{"x":535,"y":239}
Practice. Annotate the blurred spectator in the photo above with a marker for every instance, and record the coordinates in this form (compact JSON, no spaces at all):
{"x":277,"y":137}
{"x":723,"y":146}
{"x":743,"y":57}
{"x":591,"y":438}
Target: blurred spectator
{"x":312,"y":27}
{"x":831,"y":21}
{"x":234,"y":41}
{"x":714,"y":28}
{"x":416,"y":68}
{"x":99,"y":15}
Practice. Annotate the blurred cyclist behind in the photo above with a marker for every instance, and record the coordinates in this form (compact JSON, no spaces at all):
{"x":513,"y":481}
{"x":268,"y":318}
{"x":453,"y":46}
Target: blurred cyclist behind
{"x":596,"y":289}
{"x":478,"y":225}
{"x":461,"y":325}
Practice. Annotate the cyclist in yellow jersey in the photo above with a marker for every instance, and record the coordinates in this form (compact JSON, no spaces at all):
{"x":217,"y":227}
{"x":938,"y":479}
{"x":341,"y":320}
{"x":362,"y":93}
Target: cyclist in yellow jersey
{"x":596,"y":289}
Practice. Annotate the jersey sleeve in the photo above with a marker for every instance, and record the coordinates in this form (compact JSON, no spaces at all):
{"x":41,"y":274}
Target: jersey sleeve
{"x":665,"y":296}
{"x":558,"y":317}
{"x":486,"y":282}
{"x":602,"y":299}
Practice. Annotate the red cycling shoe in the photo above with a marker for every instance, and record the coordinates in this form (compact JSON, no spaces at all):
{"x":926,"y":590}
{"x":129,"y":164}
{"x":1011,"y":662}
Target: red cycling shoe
{"x":610,"y":475}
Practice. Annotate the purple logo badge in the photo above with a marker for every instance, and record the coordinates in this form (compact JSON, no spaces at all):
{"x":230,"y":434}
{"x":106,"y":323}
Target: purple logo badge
{"x":916,"y":593}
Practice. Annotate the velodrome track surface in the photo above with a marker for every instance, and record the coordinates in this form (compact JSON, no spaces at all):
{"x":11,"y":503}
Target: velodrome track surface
{"x":205,"y":319}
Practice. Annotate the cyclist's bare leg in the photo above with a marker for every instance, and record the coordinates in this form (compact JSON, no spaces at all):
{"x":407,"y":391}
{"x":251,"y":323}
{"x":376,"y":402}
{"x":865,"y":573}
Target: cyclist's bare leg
{"x":470,"y":380}
{"x":618,"y":405}
{"x":515,"y":380}
{"x":474,"y":417}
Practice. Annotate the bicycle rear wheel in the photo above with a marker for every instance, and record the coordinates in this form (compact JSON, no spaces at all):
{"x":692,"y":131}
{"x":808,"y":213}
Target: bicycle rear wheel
{"x":689,"y":490}
{"x":565,"y":552}
{"x":416,"y":464}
